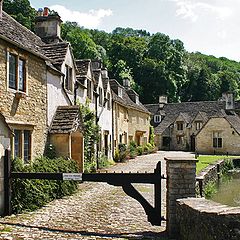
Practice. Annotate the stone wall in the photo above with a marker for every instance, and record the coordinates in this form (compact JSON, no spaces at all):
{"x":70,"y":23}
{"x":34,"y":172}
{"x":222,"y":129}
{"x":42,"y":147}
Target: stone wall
{"x":208,"y":174}
{"x":201,"y":219}
{"x":230,"y":138}
{"x":30,"y":111}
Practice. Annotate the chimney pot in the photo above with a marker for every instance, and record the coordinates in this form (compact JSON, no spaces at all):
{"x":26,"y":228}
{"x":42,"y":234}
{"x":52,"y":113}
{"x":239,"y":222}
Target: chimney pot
{"x":46,"y":11}
{"x":40,"y":12}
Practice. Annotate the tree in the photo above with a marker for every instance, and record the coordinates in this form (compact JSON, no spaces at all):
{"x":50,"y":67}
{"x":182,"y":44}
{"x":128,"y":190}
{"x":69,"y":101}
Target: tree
{"x":22,"y":11}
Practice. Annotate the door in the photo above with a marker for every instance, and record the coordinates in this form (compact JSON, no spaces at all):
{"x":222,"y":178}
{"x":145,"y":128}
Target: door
{"x":193,"y":143}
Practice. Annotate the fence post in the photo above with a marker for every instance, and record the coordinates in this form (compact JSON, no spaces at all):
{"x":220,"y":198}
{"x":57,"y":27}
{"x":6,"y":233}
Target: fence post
{"x":7,"y":183}
{"x":181,"y":180}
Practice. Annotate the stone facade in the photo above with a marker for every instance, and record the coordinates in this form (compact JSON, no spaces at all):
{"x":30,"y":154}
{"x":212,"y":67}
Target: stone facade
{"x":138,"y":127}
{"x":201,"y":219}
{"x":181,"y":181}
{"x":229,"y":135}
{"x":25,"y":111}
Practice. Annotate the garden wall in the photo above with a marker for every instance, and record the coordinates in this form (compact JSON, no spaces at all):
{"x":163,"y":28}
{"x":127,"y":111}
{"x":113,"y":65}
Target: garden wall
{"x":201,"y":219}
{"x":210,"y":173}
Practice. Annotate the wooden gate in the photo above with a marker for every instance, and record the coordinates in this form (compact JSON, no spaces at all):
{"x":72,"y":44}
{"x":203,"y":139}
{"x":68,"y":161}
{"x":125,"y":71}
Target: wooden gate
{"x":125,"y":180}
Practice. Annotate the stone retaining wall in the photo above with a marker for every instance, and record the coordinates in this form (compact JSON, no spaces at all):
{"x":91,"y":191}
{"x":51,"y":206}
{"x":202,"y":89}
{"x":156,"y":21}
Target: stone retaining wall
{"x":210,"y":173}
{"x":201,"y":219}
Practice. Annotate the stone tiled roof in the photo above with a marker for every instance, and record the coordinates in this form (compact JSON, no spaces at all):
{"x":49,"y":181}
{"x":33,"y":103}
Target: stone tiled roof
{"x":125,"y":100}
{"x":19,"y":35}
{"x":67,"y":119}
{"x":56,"y":52}
{"x":234,"y":120}
{"x":172,"y":110}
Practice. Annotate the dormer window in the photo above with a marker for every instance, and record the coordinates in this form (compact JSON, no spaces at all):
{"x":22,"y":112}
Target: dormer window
{"x":179,"y":126}
{"x":16,"y":73}
{"x":108,"y":101}
{"x":157,"y":118}
{"x":100,"y":96}
{"x":120,"y":92}
{"x":68,"y":78}
{"x":198,"y":125}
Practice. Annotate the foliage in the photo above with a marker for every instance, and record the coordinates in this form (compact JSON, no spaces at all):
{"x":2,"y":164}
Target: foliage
{"x":28,"y":195}
{"x":132,"y":149}
{"x":154,"y":63}
{"x":210,"y":189}
{"x":104,"y":162}
{"x":22,"y":11}
{"x":140,"y":150}
{"x":91,"y":137}
{"x":151,"y":136}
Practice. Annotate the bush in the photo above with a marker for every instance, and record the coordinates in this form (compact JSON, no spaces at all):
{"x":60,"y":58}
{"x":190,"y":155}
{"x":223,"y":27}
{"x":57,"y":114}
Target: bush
{"x":140,"y":150}
{"x":132,"y":149}
{"x":28,"y":195}
{"x":104,"y":161}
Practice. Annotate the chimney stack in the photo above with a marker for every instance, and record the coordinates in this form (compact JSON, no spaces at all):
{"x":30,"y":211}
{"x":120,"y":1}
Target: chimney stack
{"x":162,"y":101}
{"x":48,"y":27}
{"x":126,"y":83}
{"x":229,"y":100}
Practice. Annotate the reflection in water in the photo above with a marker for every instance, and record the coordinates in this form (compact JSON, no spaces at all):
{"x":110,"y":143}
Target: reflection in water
{"x":229,"y":191}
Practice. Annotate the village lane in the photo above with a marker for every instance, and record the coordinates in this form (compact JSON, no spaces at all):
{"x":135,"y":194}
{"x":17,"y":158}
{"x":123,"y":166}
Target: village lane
{"x":96,"y":211}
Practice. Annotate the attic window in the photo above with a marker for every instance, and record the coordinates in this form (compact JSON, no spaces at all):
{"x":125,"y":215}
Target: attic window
{"x":198,"y":125}
{"x":157,"y":118}
{"x":120,"y":92}
{"x":179,"y":126}
{"x":68,"y":78}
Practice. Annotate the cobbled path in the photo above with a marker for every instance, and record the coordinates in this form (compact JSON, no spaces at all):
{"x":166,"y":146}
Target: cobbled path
{"x":96,"y":211}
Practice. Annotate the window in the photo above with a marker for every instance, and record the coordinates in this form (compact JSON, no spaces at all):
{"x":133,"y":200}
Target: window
{"x":89,"y":89}
{"x":120,"y":92}
{"x":100,"y":96}
{"x":217,"y":140}
{"x":17,"y":73}
{"x":22,"y":144}
{"x":198,"y":125}
{"x":180,"y":140}
{"x":166,"y":141}
{"x":108,"y":101}
{"x":157,"y":118}
{"x":179,"y":126}
{"x":68,"y":78}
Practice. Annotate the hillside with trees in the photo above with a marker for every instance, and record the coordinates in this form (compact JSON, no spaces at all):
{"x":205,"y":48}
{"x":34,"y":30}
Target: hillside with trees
{"x":155,"y":63}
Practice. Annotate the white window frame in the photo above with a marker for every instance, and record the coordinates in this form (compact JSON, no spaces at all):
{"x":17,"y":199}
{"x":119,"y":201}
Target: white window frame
{"x":157,"y":118}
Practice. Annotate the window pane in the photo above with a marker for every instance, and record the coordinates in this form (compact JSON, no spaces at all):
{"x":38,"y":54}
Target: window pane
{"x":17,"y":143}
{"x":21,"y":75}
{"x":219,"y":142}
{"x":27,"y":146}
{"x":215,"y":142}
{"x":12,"y":71}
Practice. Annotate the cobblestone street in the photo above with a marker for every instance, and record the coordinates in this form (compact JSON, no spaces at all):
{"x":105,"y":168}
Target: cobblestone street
{"x":96,"y":211}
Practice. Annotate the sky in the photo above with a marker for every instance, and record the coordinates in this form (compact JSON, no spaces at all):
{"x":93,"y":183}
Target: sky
{"x":207,"y":26}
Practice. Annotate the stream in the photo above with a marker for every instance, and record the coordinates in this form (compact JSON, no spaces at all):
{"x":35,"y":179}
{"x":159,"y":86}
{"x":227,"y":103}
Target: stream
{"x":228,"y":192}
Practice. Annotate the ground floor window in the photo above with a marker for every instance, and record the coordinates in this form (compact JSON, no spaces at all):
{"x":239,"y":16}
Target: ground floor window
{"x":217,"y":140}
{"x":22,"y":144}
{"x":180,"y":140}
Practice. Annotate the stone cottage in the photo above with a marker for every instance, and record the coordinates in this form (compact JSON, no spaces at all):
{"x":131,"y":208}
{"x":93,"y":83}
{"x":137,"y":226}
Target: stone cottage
{"x":23,"y":88}
{"x":131,"y":120}
{"x":184,"y":126}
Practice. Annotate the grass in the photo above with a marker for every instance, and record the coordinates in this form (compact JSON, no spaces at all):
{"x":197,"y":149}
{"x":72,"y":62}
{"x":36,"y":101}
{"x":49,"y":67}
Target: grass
{"x":205,"y":160}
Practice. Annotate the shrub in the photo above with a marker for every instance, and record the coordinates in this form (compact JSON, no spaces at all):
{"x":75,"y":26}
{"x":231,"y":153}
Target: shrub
{"x":140,"y":150}
{"x":28,"y":195}
{"x":122,"y":152}
{"x":132,"y":149}
{"x":104,"y":161}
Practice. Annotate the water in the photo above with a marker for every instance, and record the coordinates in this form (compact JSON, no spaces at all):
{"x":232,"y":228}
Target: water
{"x":228,"y":192}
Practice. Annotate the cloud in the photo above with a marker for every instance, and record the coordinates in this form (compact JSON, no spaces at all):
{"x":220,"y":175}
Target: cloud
{"x":190,"y":9}
{"x":91,"y":19}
